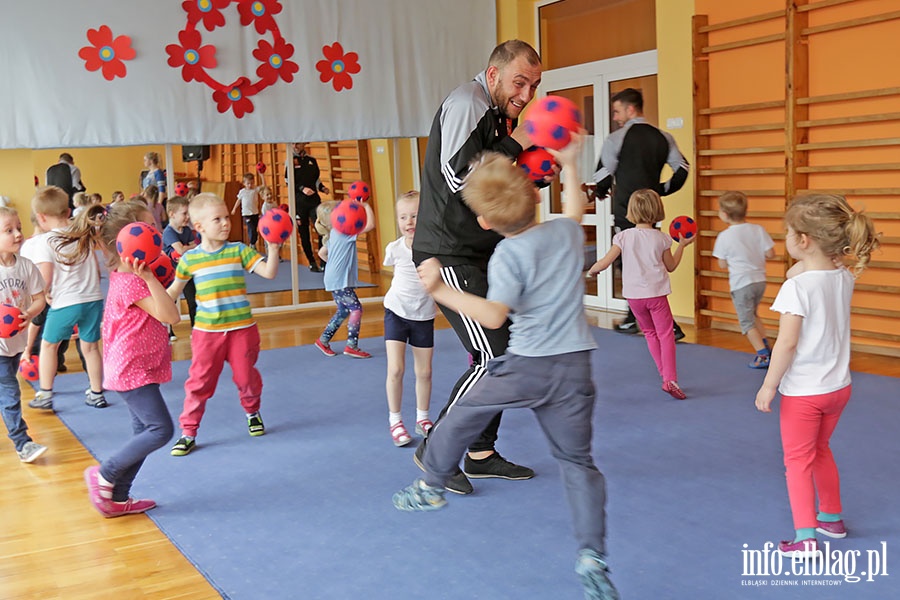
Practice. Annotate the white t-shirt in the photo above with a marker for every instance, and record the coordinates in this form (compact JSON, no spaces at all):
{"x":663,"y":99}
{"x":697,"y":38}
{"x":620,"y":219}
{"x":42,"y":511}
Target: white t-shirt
{"x":644,"y":274}
{"x":822,"y":361}
{"x":18,"y":284}
{"x":743,"y":247}
{"x":407,"y":297}
{"x":249,"y":204}
{"x":71,"y":285}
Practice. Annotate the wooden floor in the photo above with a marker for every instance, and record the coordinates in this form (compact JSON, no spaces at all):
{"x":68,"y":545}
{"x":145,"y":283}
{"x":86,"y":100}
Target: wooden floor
{"x":53,"y":545}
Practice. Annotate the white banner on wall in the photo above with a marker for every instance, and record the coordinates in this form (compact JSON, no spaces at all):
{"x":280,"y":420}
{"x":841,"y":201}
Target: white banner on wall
{"x":104,"y":73}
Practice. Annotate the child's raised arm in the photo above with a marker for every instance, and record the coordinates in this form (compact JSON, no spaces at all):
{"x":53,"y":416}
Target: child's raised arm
{"x":568,"y":158}
{"x":159,"y":304}
{"x":489,"y":313}
{"x":269,"y":269}
{"x":370,"y":219}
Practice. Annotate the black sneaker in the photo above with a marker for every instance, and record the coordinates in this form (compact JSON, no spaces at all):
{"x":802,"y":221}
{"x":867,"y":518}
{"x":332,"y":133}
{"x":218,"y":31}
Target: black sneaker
{"x":495,"y":466}
{"x":630,"y":327}
{"x":679,"y":334}
{"x":255,"y":425}
{"x":458,"y":483}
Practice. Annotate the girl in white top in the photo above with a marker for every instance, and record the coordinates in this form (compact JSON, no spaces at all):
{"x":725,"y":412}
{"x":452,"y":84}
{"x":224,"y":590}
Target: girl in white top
{"x":267,"y":199}
{"x":408,"y":318}
{"x":810,"y":362}
{"x":647,"y":260}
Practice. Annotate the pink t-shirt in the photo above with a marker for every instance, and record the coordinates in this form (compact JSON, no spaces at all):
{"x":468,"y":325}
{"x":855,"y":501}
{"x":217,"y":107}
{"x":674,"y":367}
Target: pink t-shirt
{"x":136,"y":349}
{"x":644,"y":274}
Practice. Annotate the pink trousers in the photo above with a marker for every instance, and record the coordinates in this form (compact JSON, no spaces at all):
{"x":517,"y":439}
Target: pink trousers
{"x":655,"y":319}
{"x":240,"y":347}
{"x":807,"y":423}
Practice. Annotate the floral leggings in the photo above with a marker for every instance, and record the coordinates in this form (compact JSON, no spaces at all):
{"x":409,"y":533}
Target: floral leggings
{"x":347,"y":304}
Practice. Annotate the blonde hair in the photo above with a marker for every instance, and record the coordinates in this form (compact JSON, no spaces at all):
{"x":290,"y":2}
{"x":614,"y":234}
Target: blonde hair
{"x":645,"y":207}
{"x":81,"y":199}
{"x":264,"y":190}
{"x":51,"y":201}
{"x":202,"y":201}
{"x":500,"y":192}
{"x":8,"y":211}
{"x":734,"y":205}
{"x":410,"y":196}
{"x":150,"y":194}
{"x":99,"y":226}
{"x":153,"y":157}
{"x":831,"y":222}
{"x":323,"y":216}
{"x":176,"y":202}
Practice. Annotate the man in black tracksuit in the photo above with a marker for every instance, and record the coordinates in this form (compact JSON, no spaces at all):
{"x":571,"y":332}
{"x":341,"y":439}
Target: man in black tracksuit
{"x":307,"y":186}
{"x":477,"y":116}
{"x":634,"y":156}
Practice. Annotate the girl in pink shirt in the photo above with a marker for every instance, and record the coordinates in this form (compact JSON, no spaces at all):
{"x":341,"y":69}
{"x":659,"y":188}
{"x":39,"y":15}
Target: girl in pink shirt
{"x":647,"y":260}
{"x":136,"y":360}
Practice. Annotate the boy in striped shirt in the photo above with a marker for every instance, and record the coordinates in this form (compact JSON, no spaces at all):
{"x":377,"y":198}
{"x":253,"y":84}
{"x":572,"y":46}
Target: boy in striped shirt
{"x":224,"y":329}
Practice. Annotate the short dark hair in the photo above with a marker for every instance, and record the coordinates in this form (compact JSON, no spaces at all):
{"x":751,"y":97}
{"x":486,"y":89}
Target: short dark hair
{"x":630,"y":96}
{"x":66,"y":157}
{"x":510,"y":50}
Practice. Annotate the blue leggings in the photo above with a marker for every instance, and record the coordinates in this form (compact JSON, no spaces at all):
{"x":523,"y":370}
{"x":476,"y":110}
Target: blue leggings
{"x":347,"y":305}
{"x":153,"y":429}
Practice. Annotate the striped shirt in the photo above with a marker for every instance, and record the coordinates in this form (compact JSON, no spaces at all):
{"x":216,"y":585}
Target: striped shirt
{"x":222,"y":303}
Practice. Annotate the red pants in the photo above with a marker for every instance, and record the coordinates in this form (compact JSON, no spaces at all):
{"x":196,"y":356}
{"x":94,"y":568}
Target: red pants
{"x":807,"y":423}
{"x":240,"y":347}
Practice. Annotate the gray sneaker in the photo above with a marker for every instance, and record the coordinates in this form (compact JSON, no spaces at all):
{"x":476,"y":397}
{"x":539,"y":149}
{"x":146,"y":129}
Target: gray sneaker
{"x":419,"y":497}
{"x":95,"y":400}
{"x":30,"y":451}
{"x":42,"y":400}
{"x":594,"y":575}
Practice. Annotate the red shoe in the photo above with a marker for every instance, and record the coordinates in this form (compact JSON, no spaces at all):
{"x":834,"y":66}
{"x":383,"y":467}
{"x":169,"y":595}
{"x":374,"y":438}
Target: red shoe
{"x":356,"y":353}
{"x":325,"y":348}
{"x":671,"y":388}
{"x":400,"y":435}
{"x":808,"y":548}
{"x":131,"y":506}
{"x":834,"y":529}
{"x":91,"y":478}
{"x":423,"y":427}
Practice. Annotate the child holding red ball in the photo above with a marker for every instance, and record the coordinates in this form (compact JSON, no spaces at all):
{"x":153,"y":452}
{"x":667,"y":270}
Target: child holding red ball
{"x":339,"y":257}
{"x":647,"y":260}
{"x":24,"y":289}
{"x":137,"y":360}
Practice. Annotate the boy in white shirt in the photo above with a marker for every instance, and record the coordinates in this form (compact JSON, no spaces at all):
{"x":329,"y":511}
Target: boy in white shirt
{"x":248,"y":200}
{"x":743,"y":249}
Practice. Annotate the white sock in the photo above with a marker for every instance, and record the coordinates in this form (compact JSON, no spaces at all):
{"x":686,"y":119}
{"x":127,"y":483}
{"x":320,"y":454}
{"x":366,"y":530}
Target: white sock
{"x":102,"y":482}
{"x":421,"y":415}
{"x":394,"y":418}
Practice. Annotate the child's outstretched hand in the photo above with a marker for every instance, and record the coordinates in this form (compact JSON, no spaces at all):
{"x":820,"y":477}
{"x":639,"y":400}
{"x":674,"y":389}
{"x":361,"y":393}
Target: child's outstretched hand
{"x":570,"y":155}
{"x":430,"y":274}
{"x":686,"y":241}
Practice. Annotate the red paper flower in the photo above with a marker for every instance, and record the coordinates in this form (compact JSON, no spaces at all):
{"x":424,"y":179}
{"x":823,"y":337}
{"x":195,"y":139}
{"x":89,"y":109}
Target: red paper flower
{"x":235,"y":97}
{"x":260,"y":12}
{"x":273,"y":61}
{"x":191,"y":56}
{"x":106,"y":53}
{"x":337,"y":66}
{"x":208,"y":11}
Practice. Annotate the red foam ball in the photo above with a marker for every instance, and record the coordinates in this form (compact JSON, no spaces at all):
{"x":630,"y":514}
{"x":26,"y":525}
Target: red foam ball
{"x":139,"y":241}
{"x":551,"y":121}
{"x":163,"y":269}
{"x":28,"y":368}
{"x":260,"y":167}
{"x":682,"y":226}
{"x":359,"y":191}
{"x":275,"y":226}
{"x":10,"y":321}
{"x":537,"y":163}
{"x":284,"y":207}
{"x":181,"y":189}
{"x":349,"y":217}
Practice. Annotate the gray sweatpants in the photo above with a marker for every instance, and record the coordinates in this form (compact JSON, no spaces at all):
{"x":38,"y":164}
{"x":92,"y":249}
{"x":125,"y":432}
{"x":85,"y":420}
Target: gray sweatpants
{"x":560,"y":391}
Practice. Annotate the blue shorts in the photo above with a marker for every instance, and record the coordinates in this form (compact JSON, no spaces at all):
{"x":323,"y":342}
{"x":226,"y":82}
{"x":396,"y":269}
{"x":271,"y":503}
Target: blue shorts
{"x":419,"y":334}
{"x":61,"y":322}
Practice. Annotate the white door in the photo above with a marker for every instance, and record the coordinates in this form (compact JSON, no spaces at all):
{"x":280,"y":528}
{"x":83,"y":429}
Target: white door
{"x":591,"y":86}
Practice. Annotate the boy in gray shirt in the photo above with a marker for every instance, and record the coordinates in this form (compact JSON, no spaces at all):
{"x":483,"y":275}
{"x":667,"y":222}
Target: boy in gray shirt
{"x":534,"y":279}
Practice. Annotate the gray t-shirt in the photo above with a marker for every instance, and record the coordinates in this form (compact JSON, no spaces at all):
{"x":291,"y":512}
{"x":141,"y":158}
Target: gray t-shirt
{"x":538,"y":275}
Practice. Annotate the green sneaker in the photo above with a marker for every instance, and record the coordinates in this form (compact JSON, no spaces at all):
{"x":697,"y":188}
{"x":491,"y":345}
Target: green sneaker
{"x":255,"y":425}
{"x":183,"y":446}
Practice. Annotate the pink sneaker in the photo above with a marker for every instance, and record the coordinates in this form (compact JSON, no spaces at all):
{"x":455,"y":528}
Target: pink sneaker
{"x":833,"y":529}
{"x":129,"y":507}
{"x":356,"y":353}
{"x":325,"y":348}
{"x":671,"y":388}
{"x":400,"y":435}
{"x":808,"y":548}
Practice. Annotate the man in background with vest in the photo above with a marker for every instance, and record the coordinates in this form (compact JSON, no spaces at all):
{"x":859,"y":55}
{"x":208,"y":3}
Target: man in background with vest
{"x":67,"y":176}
